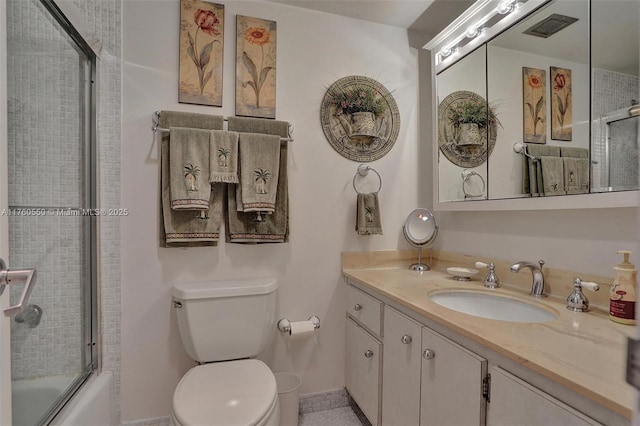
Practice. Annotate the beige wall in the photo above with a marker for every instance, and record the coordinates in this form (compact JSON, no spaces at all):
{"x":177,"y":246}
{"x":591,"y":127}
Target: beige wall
{"x":314,"y":50}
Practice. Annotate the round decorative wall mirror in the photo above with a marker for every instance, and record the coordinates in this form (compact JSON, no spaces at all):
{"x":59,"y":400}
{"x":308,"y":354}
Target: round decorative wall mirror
{"x":420,"y":230}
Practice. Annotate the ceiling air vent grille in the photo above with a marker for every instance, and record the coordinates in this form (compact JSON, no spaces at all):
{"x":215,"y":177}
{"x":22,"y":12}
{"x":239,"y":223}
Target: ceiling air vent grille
{"x":551,"y":25}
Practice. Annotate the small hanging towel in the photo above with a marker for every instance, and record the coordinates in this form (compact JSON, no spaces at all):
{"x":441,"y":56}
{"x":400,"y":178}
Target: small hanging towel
{"x":223,"y":153}
{"x":368,"y":214}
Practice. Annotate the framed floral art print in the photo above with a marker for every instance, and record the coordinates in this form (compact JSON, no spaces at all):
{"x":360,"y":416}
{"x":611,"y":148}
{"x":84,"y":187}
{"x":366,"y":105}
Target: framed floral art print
{"x":561,"y":105}
{"x":534,"y":109}
{"x":201,"y":47}
{"x":255,"y":67}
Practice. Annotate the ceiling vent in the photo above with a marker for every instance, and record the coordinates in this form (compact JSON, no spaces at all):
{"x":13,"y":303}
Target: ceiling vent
{"x":551,"y":25}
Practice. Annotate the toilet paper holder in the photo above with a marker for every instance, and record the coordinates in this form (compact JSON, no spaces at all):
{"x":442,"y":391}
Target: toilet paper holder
{"x":284,"y":325}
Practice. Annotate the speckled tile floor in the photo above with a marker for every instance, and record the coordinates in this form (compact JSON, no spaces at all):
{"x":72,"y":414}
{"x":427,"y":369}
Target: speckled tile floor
{"x":343,"y":416}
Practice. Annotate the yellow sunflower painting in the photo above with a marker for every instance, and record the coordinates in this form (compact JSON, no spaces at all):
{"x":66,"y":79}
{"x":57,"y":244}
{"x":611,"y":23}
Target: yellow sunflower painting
{"x":255,"y":67}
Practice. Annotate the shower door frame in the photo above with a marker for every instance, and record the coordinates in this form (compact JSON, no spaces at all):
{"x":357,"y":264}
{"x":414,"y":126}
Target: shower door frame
{"x":5,"y":338}
{"x":91,"y":358}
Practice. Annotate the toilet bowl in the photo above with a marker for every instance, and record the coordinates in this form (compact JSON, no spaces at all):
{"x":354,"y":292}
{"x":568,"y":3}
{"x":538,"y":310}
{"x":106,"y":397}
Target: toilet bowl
{"x":233,"y":393}
{"x":224,"y":325}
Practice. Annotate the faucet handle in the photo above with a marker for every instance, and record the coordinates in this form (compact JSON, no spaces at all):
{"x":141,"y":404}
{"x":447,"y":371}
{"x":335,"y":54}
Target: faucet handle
{"x":577,"y":301}
{"x":491,"y":280}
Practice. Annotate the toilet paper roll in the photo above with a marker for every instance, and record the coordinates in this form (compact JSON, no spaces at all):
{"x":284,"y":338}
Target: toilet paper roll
{"x":301,"y":330}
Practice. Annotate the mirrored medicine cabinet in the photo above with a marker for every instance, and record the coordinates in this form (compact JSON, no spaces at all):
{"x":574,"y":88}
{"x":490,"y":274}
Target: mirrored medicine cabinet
{"x":536,"y":105}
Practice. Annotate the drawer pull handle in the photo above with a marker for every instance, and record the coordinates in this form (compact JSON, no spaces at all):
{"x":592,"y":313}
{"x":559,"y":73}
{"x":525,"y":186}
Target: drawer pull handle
{"x":428,"y":354}
{"x":406,"y":339}
{"x":368,"y":353}
{"x":357,"y":307}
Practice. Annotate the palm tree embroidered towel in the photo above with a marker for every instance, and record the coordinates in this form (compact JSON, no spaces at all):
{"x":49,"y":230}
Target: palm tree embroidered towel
{"x":368,"y":214}
{"x":259,"y":171}
{"x":179,"y":228}
{"x":532,"y":169}
{"x":552,"y":176}
{"x":223,"y":153}
{"x":189,"y":168}
{"x":576,"y":175}
{"x":187,"y":228}
{"x":274,"y":228}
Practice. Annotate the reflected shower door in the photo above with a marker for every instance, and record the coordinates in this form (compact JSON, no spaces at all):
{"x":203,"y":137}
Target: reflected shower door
{"x":49,"y":117}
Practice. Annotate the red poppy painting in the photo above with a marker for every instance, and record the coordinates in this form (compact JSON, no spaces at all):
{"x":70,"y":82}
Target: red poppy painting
{"x":561,"y":108}
{"x":201,"y":46}
{"x":255,"y":67}
{"x":534,"y":112}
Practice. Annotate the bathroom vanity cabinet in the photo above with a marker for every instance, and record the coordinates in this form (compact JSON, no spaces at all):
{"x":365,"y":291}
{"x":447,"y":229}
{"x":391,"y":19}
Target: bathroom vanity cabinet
{"x":403,"y":369}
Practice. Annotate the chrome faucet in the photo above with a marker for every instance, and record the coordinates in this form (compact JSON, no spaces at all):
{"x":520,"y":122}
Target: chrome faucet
{"x":537,"y":289}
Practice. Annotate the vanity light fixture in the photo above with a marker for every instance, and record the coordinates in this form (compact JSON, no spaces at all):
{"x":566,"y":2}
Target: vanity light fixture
{"x":447,"y":51}
{"x":507,"y":6}
{"x":474,"y":31}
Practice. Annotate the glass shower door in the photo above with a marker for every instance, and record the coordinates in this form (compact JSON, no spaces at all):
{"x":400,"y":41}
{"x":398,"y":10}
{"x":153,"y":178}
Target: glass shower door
{"x":51,"y":181}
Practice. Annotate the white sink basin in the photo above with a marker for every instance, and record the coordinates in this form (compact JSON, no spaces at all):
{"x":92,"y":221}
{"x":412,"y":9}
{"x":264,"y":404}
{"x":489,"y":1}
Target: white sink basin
{"x":491,"y":306}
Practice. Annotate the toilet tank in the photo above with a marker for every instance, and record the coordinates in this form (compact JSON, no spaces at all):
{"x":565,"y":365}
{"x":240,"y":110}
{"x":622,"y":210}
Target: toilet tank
{"x":225,"y":320}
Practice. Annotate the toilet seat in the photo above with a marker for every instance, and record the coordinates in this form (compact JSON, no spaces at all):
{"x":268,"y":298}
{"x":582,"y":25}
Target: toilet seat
{"x":233,"y":393}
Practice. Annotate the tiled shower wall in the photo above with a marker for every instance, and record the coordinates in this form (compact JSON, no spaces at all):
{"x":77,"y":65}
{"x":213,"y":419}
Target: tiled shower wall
{"x":613,"y":91}
{"x":45,"y":170}
{"x":56,"y":237}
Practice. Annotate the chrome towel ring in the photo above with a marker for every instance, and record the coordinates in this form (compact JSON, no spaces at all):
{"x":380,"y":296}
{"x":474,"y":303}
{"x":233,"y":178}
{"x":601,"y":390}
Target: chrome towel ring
{"x":363,"y":170}
{"x":466,"y":179}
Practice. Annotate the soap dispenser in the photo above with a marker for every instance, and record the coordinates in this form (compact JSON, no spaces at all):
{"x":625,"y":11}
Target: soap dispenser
{"x":622,"y":296}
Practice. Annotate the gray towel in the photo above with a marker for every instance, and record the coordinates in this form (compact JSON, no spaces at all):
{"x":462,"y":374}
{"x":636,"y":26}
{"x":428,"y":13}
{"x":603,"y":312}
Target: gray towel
{"x":189,"y":168}
{"x":274,"y":228}
{"x":552,"y":175}
{"x":244,"y":227}
{"x":181,"y":228}
{"x":258,"y":125}
{"x":532,"y":169}
{"x":260,"y":165}
{"x":186,"y":225}
{"x":569,"y":151}
{"x":223,"y":154}
{"x":189,"y":119}
{"x":576,"y":175}
{"x":368,"y":214}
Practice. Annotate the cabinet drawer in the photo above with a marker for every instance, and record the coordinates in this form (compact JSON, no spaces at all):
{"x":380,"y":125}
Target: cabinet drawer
{"x":365,"y":309}
{"x":362,"y":375}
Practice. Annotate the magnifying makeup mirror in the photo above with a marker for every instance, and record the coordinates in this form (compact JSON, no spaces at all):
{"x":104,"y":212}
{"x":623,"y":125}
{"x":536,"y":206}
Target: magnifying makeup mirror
{"x":420,"y":230}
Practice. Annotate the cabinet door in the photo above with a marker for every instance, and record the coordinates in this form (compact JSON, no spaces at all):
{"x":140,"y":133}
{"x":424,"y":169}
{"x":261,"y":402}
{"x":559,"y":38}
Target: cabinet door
{"x":514,"y":401}
{"x":364,"y":355}
{"x":451,"y":383}
{"x":401,"y":370}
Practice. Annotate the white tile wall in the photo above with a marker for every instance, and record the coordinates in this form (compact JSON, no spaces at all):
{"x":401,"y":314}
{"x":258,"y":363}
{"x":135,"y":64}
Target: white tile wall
{"x":45,"y":169}
{"x":613,"y":91}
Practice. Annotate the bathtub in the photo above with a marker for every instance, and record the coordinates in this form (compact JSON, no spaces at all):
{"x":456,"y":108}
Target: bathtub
{"x":91,"y":405}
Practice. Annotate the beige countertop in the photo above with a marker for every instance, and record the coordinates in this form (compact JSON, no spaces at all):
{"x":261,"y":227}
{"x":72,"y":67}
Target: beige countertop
{"x":585,"y":352}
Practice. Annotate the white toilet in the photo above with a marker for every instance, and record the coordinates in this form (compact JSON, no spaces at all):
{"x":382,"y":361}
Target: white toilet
{"x":223,"y":324}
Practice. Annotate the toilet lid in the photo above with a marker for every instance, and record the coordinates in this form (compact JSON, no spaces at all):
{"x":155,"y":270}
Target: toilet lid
{"x":225,"y":393}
